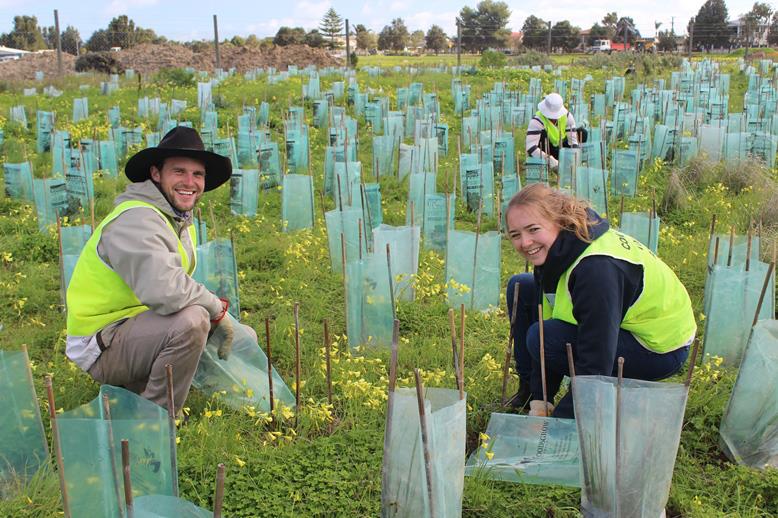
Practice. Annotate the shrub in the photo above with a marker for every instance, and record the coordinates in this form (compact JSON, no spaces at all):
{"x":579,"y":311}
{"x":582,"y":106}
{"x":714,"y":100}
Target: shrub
{"x":492,"y":59}
{"x":175,"y":77}
{"x":103,"y":62}
{"x":530,"y":58}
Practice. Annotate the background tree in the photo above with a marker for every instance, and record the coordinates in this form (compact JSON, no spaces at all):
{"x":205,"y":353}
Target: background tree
{"x":710,"y":25}
{"x":314,"y":39}
{"x":417,"y":39}
{"x":565,"y":36}
{"x":626,"y":27}
{"x":26,"y":35}
{"x":485,"y":26}
{"x":394,"y":36}
{"x":70,"y":40}
{"x":436,"y":39}
{"x":331,"y":26}
{"x":772,"y":34}
{"x":289,"y":36}
{"x":667,"y":41}
{"x":535,"y":33}
{"x":121,"y":32}
{"x":754,"y":20}
{"x":597,"y":32}
{"x":609,"y":21}
{"x":362,"y":34}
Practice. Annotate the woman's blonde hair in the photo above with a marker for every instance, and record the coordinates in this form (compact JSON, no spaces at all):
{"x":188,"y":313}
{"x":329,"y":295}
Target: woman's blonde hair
{"x":566,"y":211}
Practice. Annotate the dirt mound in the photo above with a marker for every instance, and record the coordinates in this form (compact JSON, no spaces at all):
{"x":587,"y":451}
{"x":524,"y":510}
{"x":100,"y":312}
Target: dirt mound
{"x":149,"y":58}
{"x":25,"y":67}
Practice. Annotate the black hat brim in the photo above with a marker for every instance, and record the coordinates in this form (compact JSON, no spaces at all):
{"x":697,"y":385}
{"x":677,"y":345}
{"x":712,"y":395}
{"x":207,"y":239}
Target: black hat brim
{"x":218,"y":168}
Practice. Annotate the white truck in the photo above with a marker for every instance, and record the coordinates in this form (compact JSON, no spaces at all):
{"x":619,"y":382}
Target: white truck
{"x":600,"y":46}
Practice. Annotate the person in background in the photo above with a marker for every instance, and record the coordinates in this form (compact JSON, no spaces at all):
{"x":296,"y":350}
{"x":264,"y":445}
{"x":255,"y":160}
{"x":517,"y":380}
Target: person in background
{"x":552,"y":128}
{"x":132,"y":305}
{"x":602,"y":291}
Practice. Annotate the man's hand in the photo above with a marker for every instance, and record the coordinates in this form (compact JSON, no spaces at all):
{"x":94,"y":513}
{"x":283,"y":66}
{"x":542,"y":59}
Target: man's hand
{"x":536,"y":408}
{"x":223,"y":331}
{"x":224,"y":334}
{"x":553,"y":163}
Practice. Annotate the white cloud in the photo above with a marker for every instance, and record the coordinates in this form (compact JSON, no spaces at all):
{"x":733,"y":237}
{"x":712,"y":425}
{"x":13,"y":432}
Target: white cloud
{"x":117,"y":7}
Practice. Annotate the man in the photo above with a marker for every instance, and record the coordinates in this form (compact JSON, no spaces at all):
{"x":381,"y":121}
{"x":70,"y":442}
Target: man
{"x":552,"y":128}
{"x":133,"y":307}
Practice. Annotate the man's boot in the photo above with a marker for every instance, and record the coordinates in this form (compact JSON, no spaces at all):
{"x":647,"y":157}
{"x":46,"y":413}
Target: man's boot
{"x":520,"y":400}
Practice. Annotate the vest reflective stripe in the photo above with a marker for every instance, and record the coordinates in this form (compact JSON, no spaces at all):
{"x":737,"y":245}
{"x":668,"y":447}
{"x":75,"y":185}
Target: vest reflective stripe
{"x":97,"y":295}
{"x":661,"y":319}
{"x":554,"y":132}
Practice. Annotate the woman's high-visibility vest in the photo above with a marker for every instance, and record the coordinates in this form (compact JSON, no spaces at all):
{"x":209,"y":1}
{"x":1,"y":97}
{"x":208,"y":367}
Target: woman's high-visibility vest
{"x":661,"y":319}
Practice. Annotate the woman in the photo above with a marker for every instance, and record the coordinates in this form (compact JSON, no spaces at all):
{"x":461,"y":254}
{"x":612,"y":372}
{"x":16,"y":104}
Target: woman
{"x":602,"y":291}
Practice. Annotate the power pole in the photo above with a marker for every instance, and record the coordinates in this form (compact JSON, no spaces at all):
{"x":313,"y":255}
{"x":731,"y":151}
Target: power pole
{"x":548,"y":44}
{"x":691,"y":37}
{"x":216,"y":42}
{"x":59,"y":42}
{"x":348,"y":48}
{"x":459,"y":44}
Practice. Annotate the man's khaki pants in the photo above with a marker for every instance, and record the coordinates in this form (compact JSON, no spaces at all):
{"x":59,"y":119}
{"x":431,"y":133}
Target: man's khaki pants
{"x":136,"y":355}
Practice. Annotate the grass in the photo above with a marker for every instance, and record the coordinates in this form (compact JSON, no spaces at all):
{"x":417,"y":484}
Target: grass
{"x":277,"y":471}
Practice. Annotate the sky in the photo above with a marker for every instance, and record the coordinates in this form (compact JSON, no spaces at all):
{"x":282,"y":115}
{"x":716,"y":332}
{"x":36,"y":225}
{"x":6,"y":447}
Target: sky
{"x":193,"y":19}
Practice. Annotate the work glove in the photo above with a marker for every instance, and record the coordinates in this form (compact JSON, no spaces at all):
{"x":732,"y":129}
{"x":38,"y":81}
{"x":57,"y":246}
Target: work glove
{"x":536,"y":408}
{"x":223,"y":331}
{"x":553,"y":163}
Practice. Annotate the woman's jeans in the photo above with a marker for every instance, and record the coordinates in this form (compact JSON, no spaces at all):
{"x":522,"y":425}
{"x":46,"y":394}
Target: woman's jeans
{"x":639,"y":362}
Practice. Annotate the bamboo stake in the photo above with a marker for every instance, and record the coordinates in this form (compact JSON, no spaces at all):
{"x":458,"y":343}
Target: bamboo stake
{"x":509,"y":349}
{"x":389,"y":412}
{"x":731,"y":245}
{"x":475,"y":252}
{"x":57,"y":446}
{"x":269,"y":366}
{"x":391,"y":280}
{"x":171,"y":412}
{"x":455,"y":351}
{"x":218,"y":499}
{"x":297,"y":367}
{"x":425,"y":441}
{"x":127,"y":479}
{"x":111,"y":447}
{"x":542,"y":360}
{"x":328,"y":358}
{"x":692,"y":363}
{"x":618,"y":430}
{"x":763,"y":292}
{"x":716,"y":251}
{"x":462,"y":351}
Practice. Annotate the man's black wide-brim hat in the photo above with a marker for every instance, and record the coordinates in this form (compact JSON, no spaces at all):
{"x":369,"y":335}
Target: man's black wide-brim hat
{"x":180,"y":141}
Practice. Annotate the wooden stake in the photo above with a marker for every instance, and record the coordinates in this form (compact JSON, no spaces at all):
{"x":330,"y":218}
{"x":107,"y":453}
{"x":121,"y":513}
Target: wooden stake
{"x":509,"y":349}
{"x":269,"y":366}
{"x":111,"y":447}
{"x":389,"y":412}
{"x":127,"y":479}
{"x":218,"y":499}
{"x":57,"y":447}
{"x":766,"y":283}
{"x":425,"y":441}
{"x":542,"y":360}
{"x":692,"y":363}
{"x":297,"y":367}
{"x":748,"y":250}
{"x":455,"y":352}
{"x":570,"y":362}
{"x":328,"y":358}
{"x":618,"y":430}
{"x":716,"y":251}
{"x":391,"y":280}
{"x":731,"y":245}
{"x":462,"y":351}
{"x":171,"y":412}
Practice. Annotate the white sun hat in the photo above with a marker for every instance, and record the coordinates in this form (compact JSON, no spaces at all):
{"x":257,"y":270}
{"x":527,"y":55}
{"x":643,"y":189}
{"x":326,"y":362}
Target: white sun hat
{"x":552,"y":107}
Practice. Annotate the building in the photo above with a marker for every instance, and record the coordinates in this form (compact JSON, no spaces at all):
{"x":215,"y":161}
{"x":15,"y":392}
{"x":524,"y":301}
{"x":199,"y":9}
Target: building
{"x":737,"y":33}
{"x":7,"y":53}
